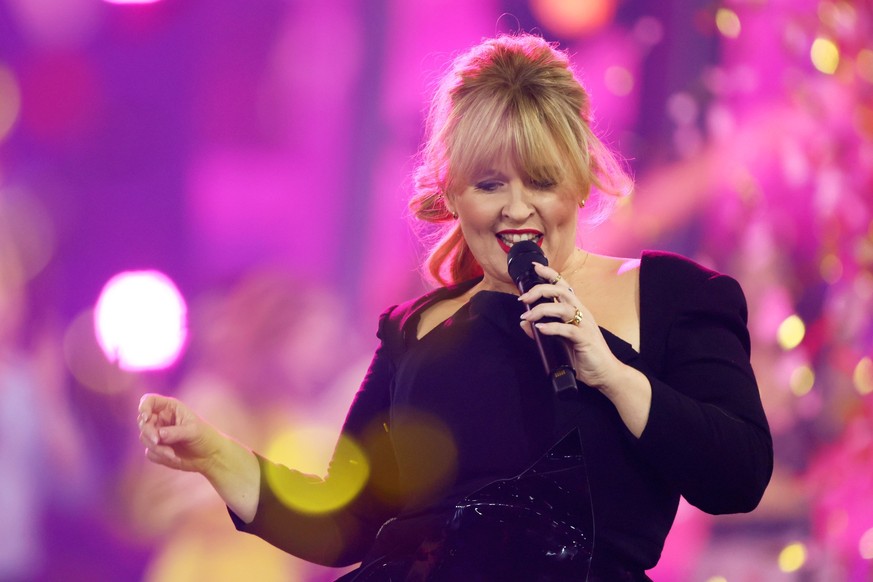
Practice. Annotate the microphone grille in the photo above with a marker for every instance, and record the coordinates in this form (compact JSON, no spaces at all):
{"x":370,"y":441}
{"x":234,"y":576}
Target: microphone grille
{"x":522,"y":255}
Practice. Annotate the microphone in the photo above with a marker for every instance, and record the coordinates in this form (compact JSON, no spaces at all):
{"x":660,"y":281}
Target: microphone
{"x":554,"y":351}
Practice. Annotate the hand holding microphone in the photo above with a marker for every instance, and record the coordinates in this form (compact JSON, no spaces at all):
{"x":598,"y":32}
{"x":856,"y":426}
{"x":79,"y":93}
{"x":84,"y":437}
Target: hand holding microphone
{"x":556,"y":355}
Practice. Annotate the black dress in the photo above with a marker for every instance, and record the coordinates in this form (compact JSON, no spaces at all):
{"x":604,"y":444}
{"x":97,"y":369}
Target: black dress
{"x":442,"y":417}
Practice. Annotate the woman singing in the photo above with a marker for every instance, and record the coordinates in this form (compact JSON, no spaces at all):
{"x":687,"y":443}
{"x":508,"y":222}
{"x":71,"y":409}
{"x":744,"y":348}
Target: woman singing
{"x":471,"y":465}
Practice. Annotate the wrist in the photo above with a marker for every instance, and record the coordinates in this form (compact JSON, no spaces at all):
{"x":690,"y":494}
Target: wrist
{"x":630,"y":391}
{"x":217,"y":459}
{"x":612,"y":379}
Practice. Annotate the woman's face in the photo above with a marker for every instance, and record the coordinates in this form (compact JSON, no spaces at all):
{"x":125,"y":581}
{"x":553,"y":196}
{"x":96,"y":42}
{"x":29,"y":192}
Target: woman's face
{"x":500,"y":207}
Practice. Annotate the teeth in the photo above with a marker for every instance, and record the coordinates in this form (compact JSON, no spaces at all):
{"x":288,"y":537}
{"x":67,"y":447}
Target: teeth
{"x":511,"y":239}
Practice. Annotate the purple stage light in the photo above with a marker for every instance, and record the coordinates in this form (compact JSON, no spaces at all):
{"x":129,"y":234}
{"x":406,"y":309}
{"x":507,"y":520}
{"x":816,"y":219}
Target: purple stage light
{"x":131,"y":1}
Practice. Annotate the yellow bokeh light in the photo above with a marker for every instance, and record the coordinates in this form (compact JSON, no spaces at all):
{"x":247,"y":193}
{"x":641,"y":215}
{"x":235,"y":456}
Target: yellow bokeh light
{"x":791,"y":332}
{"x":825,"y":55}
{"x":618,"y":80}
{"x":865,"y":544}
{"x":10,"y":101}
{"x":432,"y":446}
{"x":348,"y":471}
{"x":802,"y":380}
{"x":717,"y":579}
{"x":831,"y":269}
{"x":727,"y":22}
{"x":792,"y":557}
{"x":863,"y":377}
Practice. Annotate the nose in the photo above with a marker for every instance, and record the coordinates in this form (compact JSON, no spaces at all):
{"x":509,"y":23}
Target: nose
{"x":518,"y":207}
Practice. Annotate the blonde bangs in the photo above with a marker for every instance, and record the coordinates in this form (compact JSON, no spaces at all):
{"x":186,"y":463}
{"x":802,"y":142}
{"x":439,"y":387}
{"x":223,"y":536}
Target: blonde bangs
{"x":489,"y":132}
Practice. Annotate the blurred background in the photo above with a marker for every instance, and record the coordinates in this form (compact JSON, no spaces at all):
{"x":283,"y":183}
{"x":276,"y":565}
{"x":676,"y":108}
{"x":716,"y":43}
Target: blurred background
{"x":207,"y":198}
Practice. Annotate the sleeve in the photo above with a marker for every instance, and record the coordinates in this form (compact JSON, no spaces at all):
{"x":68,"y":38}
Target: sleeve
{"x":707,"y":432}
{"x":340,"y":536}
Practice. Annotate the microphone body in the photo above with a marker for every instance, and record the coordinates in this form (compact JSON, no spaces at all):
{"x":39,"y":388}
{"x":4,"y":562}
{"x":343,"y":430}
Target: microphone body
{"x":556,"y":355}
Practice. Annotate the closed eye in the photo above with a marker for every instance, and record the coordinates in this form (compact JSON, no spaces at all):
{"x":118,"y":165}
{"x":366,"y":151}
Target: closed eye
{"x":488,"y":185}
{"x":543,"y":184}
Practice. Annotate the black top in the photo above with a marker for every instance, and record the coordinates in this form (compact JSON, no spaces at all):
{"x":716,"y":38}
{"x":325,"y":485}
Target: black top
{"x":469,"y":403}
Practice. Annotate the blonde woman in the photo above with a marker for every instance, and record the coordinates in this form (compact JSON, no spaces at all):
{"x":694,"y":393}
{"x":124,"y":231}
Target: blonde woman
{"x":471,"y":465}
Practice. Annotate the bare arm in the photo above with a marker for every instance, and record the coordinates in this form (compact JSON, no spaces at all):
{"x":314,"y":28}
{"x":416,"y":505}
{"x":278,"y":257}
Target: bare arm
{"x":177,"y":438}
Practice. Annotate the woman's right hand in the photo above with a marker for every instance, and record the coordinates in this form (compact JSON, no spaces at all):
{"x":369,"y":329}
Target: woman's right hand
{"x":176,"y":437}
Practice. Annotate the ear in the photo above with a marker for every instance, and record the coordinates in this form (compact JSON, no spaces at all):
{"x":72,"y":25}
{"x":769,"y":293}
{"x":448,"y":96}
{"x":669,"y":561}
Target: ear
{"x":450,"y":206}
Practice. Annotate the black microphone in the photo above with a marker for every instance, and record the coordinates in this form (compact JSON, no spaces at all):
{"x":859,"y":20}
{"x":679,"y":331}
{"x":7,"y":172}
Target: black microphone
{"x":554,"y":351}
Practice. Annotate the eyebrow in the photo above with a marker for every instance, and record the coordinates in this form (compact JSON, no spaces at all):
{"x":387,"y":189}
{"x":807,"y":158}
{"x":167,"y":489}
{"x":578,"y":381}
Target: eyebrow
{"x":485,"y":173}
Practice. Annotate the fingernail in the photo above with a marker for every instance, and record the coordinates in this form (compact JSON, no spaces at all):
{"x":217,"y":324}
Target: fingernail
{"x":524,"y":315}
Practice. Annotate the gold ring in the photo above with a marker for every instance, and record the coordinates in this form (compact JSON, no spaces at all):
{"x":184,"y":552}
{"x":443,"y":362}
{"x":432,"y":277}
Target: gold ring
{"x":557,"y":278}
{"x":576,"y":319}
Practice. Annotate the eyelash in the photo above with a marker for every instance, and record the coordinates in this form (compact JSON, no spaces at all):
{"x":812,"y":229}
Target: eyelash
{"x":492,"y":185}
{"x":488,"y":185}
{"x":543,"y":184}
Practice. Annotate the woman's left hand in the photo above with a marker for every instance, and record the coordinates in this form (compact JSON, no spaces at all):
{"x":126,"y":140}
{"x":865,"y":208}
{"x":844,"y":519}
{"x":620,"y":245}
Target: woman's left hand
{"x":628,"y":389}
{"x":595,"y":363}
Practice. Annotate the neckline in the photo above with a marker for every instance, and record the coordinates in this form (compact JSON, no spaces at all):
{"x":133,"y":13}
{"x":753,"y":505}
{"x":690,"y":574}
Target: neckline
{"x":434,"y":297}
{"x":411,"y":322}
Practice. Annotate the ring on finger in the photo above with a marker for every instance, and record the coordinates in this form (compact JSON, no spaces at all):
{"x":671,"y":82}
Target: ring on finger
{"x":576,"y":319}
{"x":557,"y":278}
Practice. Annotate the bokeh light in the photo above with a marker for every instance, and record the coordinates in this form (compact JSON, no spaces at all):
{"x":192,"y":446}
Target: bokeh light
{"x":429,"y":446}
{"x":727,"y":22}
{"x":618,"y":80}
{"x":839,"y":16}
{"x":792,"y":557}
{"x":86,"y":361}
{"x":825,"y":55}
{"x":865,"y":544}
{"x":141,"y":320}
{"x":863,"y":377}
{"x":791,"y":332}
{"x":571,"y":18}
{"x":648,"y":31}
{"x":831,"y":268}
{"x":306,"y":447}
{"x":802,"y":380}
{"x":349,"y":471}
{"x":864,"y":64}
{"x":10,"y":101}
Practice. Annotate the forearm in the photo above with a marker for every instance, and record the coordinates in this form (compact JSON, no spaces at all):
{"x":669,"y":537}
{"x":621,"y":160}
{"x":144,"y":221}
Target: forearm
{"x":234,"y":473}
{"x":631,"y":393}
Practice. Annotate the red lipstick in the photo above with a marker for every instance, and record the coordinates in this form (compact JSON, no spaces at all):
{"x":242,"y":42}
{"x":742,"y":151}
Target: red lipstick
{"x":505,"y":238}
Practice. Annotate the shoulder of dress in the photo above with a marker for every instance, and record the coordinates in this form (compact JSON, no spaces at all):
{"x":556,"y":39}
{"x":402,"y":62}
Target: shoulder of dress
{"x":672,"y":285}
{"x":674,"y":269}
{"x":393,"y":321}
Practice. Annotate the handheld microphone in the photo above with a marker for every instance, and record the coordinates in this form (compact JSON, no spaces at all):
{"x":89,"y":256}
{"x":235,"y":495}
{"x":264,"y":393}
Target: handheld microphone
{"x":555,"y":353}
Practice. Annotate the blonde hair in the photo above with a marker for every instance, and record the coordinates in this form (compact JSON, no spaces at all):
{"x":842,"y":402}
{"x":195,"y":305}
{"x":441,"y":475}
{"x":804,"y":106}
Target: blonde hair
{"x":511,"y":97}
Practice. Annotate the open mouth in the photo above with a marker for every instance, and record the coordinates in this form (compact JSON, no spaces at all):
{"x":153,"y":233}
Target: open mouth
{"x":507,"y":238}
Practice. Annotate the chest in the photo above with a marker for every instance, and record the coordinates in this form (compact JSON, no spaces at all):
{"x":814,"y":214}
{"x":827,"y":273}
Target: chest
{"x":615,"y":304}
